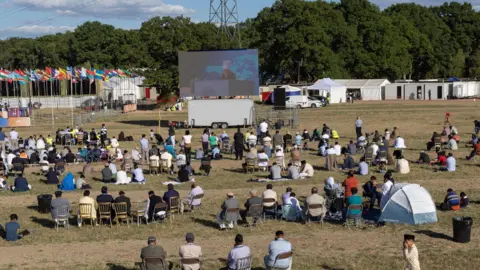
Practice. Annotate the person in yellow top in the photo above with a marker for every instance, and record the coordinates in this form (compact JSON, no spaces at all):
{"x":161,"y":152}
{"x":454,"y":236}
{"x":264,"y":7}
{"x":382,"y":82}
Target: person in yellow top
{"x":49,"y":140}
{"x":335,"y":134}
{"x":86,"y":199}
{"x":410,"y":253}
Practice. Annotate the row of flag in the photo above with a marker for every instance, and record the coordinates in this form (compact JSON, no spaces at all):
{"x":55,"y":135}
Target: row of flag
{"x":70,"y":73}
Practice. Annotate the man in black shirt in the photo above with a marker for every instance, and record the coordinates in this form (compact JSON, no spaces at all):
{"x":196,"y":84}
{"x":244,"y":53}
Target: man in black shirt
{"x":105,"y":197}
{"x":34,"y":158}
{"x":124,"y":199}
{"x":239,"y":140}
{"x":69,"y":157}
{"x":424,"y":158}
{"x":153,"y":200}
{"x":18,"y":160}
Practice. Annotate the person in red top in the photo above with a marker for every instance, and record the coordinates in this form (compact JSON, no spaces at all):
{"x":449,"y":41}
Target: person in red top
{"x":476,"y":151}
{"x":441,"y":160}
{"x":447,"y":117}
{"x":349,"y":183}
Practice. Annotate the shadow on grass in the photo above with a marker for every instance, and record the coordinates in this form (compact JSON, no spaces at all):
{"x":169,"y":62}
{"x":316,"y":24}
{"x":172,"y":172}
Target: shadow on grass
{"x":112,"y":266}
{"x":33,"y":207}
{"x":237,"y":170}
{"x":328,"y":267}
{"x":433,"y":234}
{"x":47,"y":223}
{"x":206,"y":222}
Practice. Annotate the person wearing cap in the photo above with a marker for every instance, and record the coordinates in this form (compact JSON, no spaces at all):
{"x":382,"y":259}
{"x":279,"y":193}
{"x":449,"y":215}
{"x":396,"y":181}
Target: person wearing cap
{"x":57,"y":203}
{"x":253,"y":199}
{"x":238,"y":251}
{"x":276,"y":247}
{"x":410,"y":252}
{"x":153,"y":251}
{"x":190,"y":251}
{"x":230,"y":203}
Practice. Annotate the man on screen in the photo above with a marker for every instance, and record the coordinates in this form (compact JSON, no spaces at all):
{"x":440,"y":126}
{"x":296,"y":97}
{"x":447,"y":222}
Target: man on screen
{"x":227,"y":74}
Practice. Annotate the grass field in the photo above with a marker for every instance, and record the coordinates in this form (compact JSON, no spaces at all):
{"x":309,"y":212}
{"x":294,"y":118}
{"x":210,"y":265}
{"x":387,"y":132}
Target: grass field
{"x":315,"y":247}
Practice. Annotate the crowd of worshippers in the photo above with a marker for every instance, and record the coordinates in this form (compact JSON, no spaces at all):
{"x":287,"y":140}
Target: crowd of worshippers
{"x":279,"y":254}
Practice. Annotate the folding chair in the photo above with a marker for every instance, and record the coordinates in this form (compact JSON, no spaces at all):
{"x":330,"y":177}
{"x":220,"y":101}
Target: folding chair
{"x":369,"y":156}
{"x":268,"y":209}
{"x":138,"y":211}
{"x":357,"y":218}
{"x":105,"y":212}
{"x":251,"y":165}
{"x":190,"y":261}
{"x":153,"y":263}
{"x":62,"y":217}
{"x":231,"y":215}
{"x":288,"y":145}
{"x":154,"y":166}
{"x":256,"y":212}
{"x":319,"y":219}
{"x":159,"y":210}
{"x":164,"y":166}
{"x":121,"y":212}
{"x":85,"y":212}
{"x":197,"y":207}
{"x":174,"y":207}
{"x":244,"y":263}
{"x":282,"y":256}
{"x":263,"y":168}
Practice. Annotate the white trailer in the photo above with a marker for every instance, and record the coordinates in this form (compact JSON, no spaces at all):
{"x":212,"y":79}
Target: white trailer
{"x":222,"y":113}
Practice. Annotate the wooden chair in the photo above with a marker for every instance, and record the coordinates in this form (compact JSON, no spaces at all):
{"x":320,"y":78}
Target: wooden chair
{"x":105,"y":212}
{"x":164,"y":166}
{"x":255,"y":211}
{"x":174,"y":207}
{"x":251,"y":165}
{"x":153,"y":263}
{"x":190,"y":261}
{"x":357,"y":219}
{"x":154,"y":166}
{"x":85,"y":212}
{"x":244,"y":263}
{"x":197,"y":207}
{"x":309,"y":217}
{"x":288,"y":145}
{"x":138,"y":211}
{"x":269,"y":208}
{"x":369,"y":156}
{"x":159,"y":207}
{"x":282,"y":256}
{"x":62,"y":217}
{"x":121,"y":212}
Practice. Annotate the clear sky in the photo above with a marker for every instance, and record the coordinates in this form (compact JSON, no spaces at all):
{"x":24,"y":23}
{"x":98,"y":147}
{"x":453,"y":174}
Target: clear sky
{"x":38,"y":17}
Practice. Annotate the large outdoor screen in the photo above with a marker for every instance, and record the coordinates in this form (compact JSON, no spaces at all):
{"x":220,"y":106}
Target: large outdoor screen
{"x":218,"y":73}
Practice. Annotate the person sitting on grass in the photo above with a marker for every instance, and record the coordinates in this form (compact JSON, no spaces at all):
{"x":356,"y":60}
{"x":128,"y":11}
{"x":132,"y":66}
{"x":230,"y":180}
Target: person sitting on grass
{"x":451,"y":164}
{"x":80,"y":183}
{"x":370,"y":191}
{"x":275,"y":172}
{"x":11,"y":229}
{"x":21,"y":184}
{"x":122,"y":178}
{"x":113,"y":169}
{"x":424,"y":158}
{"x":451,"y":201}
{"x":292,"y":172}
{"x":441,"y":159}
{"x":399,"y":143}
{"x":475,"y":152}
{"x":464,"y":201}
{"x":306,"y":170}
{"x":402,"y":166}
{"x":216,"y":153}
{"x":452,"y":143}
{"x":362,"y":167}
{"x":348,"y":162}
{"x":204,"y":167}
{"x":138,"y":176}
{"x":52,"y":177}
{"x":68,"y":183}
{"x":107,"y":175}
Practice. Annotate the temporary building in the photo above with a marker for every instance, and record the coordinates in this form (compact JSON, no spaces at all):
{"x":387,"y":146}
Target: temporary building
{"x":466,"y":89}
{"x":409,"y":204}
{"x":368,"y":89}
{"x":418,"y":90}
{"x":289,"y":91}
{"x":123,"y":89}
{"x":338,"y":92}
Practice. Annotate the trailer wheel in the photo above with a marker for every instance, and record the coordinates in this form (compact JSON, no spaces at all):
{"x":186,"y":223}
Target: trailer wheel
{"x":224,"y":125}
{"x":214,"y":125}
{"x":313,"y":106}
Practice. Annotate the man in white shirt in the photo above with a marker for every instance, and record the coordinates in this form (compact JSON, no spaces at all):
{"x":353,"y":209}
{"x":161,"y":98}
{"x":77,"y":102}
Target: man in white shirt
{"x":386,"y":187}
{"x":122,"y":178}
{"x":138,"y":175}
{"x":263,"y":128}
{"x":136,"y":156}
{"x":112,"y":168}
{"x":452,"y":144}
{"x":374,"y":148}
{"x":196,"y":190}
{"x":399,"y":143}
{"x":181,"y":159}
{"x":262,"y":156}
{"x":338,"y":149}
{"x":269,"y":194}
{"x":168,"y":157}
{"x":451,"y":163}
{"x":114,"y":142}
{"x":331,"y":151}
{"x":306,"y":170}
{"x":14,"y":139}
{"x":40,"y":144}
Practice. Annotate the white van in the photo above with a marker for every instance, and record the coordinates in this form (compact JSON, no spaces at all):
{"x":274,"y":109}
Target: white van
{"x":302,"y":102}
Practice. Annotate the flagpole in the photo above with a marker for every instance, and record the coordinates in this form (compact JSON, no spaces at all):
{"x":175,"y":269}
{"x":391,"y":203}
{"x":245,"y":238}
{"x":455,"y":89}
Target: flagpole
{"x":71,"y":94}
{"x":51,"y":93}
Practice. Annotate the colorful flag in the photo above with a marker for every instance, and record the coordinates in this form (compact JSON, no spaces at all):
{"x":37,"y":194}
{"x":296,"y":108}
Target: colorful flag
{"x":99,"y":74}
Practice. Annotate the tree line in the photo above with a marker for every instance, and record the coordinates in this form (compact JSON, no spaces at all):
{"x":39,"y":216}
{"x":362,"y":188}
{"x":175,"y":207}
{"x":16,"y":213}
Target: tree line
{"x":297,"y":40}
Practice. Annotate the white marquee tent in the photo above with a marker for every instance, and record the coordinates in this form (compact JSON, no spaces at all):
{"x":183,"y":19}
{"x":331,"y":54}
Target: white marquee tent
{"x":369,"y":89}
{"x":338,"y":92}
{"x":409,"y":204}
{"x":123,"y":89}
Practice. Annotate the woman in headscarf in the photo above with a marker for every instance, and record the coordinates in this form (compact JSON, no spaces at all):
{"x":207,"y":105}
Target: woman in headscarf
{"x":68,"y":183}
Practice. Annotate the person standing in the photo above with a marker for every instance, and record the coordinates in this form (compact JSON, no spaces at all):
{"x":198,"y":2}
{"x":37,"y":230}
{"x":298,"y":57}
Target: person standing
{"x":263,"y":129}
{"x":144,"y":145}
{"x":238,"y":139}
{"x":103,"y":135}
{"x":171,"y":132}
{"x":358,"y":127}
{"x":205,"y":142}
{"x":410,"y":253}
{"x":187,"y":141}
{"x":429,"y":94}
{"x":13,"y":139}
{"x":2,"y":140}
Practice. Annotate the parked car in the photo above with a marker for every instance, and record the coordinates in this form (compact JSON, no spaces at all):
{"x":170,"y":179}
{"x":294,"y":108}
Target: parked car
{"x":302,"y":102}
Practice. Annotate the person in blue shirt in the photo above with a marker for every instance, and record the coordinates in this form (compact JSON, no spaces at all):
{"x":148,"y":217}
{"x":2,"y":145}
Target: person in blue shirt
{"x":11,"y":229}
{"x":451,"y":201}
{"x":171,"y":149}
{"x":21,"y":184}
{"x":355,"y":199}
{"x":216,"y":153}
{"x":277,"y":247}
{"x":170,"y":194}
{"x":68,"y":183}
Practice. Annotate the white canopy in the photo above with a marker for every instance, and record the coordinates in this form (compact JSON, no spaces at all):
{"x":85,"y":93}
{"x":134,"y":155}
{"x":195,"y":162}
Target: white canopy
{"x":337,"y":91}
{"x":123,"y":89}
{"x":369,"y":89}
{"x":289,"y":88}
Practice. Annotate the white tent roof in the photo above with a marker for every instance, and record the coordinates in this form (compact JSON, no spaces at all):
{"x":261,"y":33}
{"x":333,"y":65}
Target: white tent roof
{"x":409,"y":204}
{"x":289,"y":88}
{"x":124,"y":88}
{"x":337,"y":91}
{"x":359,"y":84}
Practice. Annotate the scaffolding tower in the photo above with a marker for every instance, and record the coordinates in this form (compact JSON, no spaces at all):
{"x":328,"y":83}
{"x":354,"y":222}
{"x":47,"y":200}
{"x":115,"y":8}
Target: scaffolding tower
{"x":224,"y":14}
